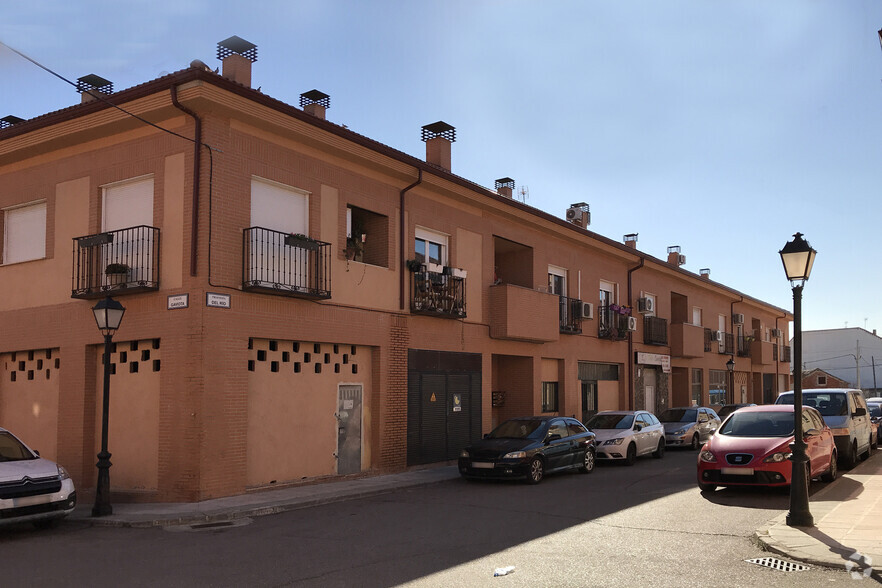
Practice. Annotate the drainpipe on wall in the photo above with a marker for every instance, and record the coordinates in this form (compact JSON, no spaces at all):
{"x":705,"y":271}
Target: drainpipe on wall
{"x":402,"y":232}
{"x":631,"y":342}
{"x":197,"y":146}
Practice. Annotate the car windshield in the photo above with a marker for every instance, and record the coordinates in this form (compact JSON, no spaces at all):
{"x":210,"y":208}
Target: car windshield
{"x":519,"y":429}
{"x":11,"y":449}
{"x":610,"y":421}
{"x":679,"y":415}
{"x":758,"y":424}
{"x":828,"y":404}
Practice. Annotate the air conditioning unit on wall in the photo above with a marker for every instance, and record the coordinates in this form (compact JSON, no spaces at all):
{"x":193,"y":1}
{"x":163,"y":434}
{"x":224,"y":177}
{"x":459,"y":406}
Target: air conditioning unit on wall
{"x":738,"y":318}
{"x":776,"y":333}
{"x":587,"y":310}
{"x":632,"y":323}
{"x":645,"y":305}
{"x":718,"y":335}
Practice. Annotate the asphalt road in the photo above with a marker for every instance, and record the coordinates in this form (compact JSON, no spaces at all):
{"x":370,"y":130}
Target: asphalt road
{"x":620,"y":526}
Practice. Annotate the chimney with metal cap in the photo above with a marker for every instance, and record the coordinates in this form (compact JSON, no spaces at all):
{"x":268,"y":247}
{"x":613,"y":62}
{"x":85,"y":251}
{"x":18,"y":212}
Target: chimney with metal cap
{"x":438,"y":137}
{"x":8,"y":121}
{"x":704,"y":273}
{"x":505,"y":187}
{"x":674,"y":256}
{"x":315,"y":103}
{"x":631,"y":240}
{"x":237,"y":55}
{"x":91,"y":86}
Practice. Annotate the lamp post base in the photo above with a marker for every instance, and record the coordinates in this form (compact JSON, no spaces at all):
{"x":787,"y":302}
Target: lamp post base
{"x":799,"y":515}
{"x":102,"y":506}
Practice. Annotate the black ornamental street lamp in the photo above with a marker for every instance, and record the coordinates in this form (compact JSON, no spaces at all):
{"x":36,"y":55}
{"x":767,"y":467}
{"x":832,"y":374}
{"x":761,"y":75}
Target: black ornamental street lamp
{"x":798,"y":257}
{"x":108,"y":316}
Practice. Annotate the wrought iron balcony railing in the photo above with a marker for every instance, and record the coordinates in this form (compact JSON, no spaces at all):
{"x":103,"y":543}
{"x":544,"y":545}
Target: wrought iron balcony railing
{"x":439,"y":294}
{"x":655,"y":330}
{"x":785,"y":354}
{"x":775,"y":352}
{"x":570,"y":315}
{"x":744,"y":342}
{"x":612,"y":325}
{"x":728,"y":347}
{"x":116,"y":262}
{"x":709,"y":339}
{"x":291,"y":265}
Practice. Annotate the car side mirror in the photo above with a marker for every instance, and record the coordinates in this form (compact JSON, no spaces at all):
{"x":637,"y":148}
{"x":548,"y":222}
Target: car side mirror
{"x":859,"y":411}
{"x":552,"y":437}
{"x":811,"y":433}
{"x":638,"y":427}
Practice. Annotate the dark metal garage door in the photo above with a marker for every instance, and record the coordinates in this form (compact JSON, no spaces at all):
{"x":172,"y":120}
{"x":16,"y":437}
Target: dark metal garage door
{"x":443,"y":404}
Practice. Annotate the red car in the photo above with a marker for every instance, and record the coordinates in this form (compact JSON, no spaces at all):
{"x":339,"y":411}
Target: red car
{"x":752,"y":448}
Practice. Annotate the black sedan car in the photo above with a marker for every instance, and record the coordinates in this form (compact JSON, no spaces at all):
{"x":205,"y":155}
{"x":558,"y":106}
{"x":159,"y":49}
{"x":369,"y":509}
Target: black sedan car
{"x":529,"y":448}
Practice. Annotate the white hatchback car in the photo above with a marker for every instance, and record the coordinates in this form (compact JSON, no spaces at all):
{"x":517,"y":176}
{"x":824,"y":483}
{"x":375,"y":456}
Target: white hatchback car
{"x":32,"y":489}
{"x":627,"y":434}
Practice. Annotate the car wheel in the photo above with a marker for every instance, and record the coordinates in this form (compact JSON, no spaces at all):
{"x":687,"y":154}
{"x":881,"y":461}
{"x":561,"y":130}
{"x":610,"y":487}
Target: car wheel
{"x":631,"y":454}
{"x":831,"y":473}
{"x":660,"y":451}
{"x":588,"y":464}
{"x":706,"y":487}
{"x":536,"y":472}
{"x":695,"y":442}
{"x":850,"y":459}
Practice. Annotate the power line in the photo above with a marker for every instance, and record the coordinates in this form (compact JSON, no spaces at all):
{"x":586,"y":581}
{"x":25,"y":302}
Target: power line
{"x":98,"y":96}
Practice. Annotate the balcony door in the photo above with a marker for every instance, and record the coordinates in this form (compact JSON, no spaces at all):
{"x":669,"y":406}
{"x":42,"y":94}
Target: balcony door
{"x":607,"y":298}
{"x":276,"y":207}
{"x":127,"y":207}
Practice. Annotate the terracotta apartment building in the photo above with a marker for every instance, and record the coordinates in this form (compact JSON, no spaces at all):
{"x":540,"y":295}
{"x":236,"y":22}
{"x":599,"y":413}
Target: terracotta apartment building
{"x":304,"y":302}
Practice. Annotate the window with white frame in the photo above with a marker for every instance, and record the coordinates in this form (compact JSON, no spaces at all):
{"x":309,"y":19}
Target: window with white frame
{"x":430,"y":247}
{"x":557,"y":280}
{"x":549,"y":396}
{"x":24,"y":232}
{"x":607,"y":297}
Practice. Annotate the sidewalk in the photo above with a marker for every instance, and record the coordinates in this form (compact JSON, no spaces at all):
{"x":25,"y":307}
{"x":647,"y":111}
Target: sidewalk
{"x":261,"y":502}
{"x":848,"y":524}
{"x":847,"y":513}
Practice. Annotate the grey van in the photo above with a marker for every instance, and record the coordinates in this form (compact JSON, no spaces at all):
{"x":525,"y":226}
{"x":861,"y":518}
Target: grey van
{"x":845,"y":412}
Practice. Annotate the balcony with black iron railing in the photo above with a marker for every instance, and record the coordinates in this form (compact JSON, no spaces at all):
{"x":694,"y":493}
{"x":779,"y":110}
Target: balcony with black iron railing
{"x":612,"y":325}
{"x":655,"y":330}
{"x":437,"y":293}
{"x":728,"y":346}
{"x":709,"y":339}
{"x":570,"y":315}
{"x":785,"y":354}
{"x":274,"y":262}
{"x":116,"y":262}
{"x":744,"y":342}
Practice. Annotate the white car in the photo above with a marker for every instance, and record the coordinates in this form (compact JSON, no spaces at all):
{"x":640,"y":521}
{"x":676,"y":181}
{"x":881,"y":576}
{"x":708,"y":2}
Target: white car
{"x":32,"y":489}
{"x":627,"y":434}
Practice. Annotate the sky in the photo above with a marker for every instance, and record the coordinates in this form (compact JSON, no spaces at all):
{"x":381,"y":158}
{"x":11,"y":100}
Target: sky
{"x":719,"y":127}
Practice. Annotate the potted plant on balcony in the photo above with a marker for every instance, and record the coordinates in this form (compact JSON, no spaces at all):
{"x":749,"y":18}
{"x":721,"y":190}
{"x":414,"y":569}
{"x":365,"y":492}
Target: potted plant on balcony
{"x":414,"y":265}
{"x":117,"y":273}
{"x":302,"y":241}
{"x":355,"y":247}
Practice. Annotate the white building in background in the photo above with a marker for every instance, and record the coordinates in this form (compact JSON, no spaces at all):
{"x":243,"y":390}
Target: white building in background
{"x":852,"y":354}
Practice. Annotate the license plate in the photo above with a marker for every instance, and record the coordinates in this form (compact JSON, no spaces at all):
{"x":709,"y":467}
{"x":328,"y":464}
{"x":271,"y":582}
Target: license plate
{"x":737,"y":471}
{"x":31,"y":500}
{"x":482,"y":465}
